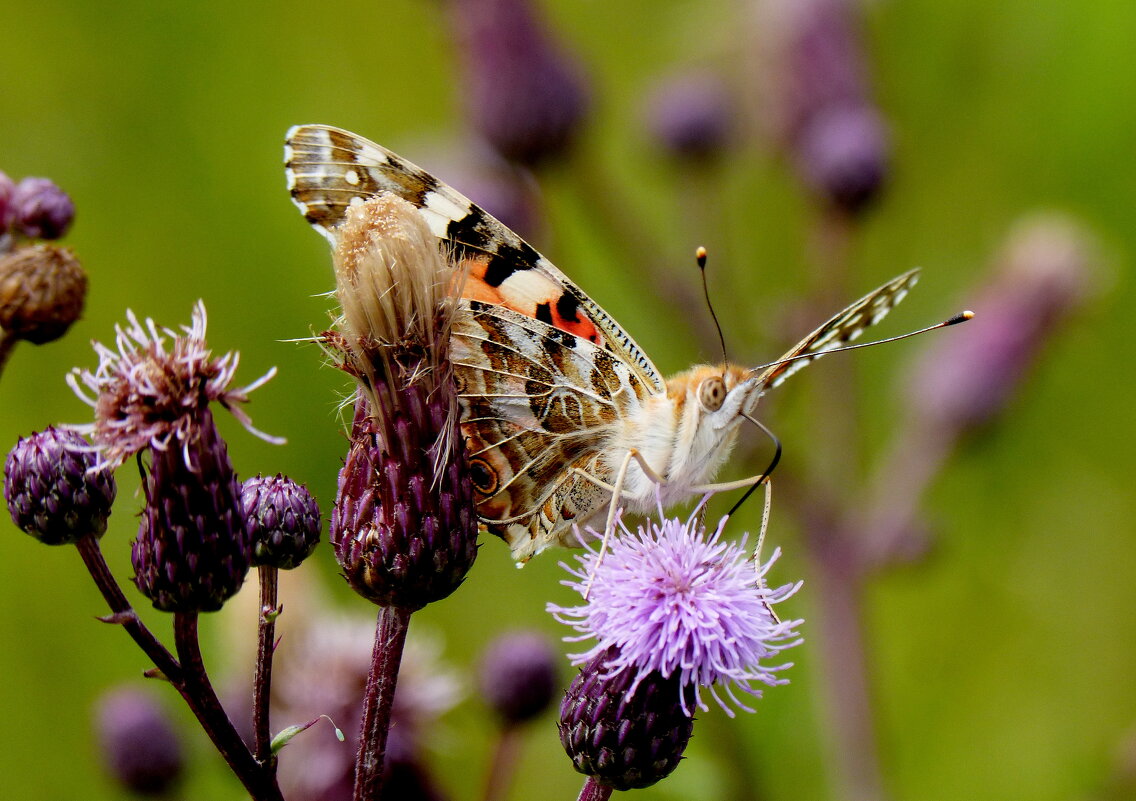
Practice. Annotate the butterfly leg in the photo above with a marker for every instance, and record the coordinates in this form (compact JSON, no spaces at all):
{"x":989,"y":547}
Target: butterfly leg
{"x":761,"y":542}
{"x":609,"y":526}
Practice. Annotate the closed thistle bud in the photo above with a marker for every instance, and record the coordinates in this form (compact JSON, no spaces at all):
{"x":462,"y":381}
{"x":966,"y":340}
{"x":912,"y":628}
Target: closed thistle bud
{"x":52,"y":489}
{"x":622,"y":735}
{"x":283,"y":520}
{"x":193,"y":550}
{"x":42,"y":290}
{"x":404,"y":526}
{"x":41,"y":210}
{"x":523,"y":94}
{"x":140,"y":747}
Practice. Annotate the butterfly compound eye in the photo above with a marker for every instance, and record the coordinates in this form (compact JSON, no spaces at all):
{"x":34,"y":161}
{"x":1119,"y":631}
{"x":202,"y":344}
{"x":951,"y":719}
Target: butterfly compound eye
{"x":712,"y":394}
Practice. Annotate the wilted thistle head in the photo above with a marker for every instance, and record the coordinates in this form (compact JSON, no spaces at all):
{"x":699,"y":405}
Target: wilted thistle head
{"x":42,"y":291}
{"x":192,"y":549}
{"x":53,"y":488}
{"x":404,"y":526}
{"x":522,"y":91}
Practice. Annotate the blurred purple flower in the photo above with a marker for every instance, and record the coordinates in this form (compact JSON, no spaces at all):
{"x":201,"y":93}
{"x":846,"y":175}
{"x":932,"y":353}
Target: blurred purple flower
{"x":1044,"y":273}
{"x":691,"y":115}
{"x":522,"y":91}
{"x":842,"y":154}
{"x":518,"y":675}
{"x":139,"y":745}
{"x":673,"y":601}
{"x":41,"y":210}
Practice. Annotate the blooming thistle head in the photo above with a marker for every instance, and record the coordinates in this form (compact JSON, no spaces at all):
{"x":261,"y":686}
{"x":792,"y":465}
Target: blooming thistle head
{"x":404,"y":525}
{"x":672,"y":611}
{"x":193,"y":548}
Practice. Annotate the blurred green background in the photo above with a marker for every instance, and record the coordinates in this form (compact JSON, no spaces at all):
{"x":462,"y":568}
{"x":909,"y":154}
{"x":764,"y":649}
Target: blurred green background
{"x":1001,"y":665}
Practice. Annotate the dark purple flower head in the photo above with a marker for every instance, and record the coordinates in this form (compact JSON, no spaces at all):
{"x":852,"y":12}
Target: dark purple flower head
{"x":691,"y":115}
{"x":283,"y":520}
{"x":53,"y":489}
{"x":139,"y":745}
{"x":625,"y":730}
{"x":522,"y":92}
{"x":41,"y":210}
{"x":42,"y":291}
{"x":518,"y":675}
{"x":673,"y":601}
{"x":148,"y":394}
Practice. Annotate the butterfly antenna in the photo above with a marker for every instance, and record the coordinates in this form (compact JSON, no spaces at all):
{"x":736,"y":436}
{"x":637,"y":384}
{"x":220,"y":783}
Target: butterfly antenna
{"x":700,"y":257}
{"x":961,"y":317}
{"x":768,"y":471}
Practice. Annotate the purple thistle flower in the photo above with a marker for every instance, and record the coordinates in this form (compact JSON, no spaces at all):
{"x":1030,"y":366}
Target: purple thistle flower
{"x":54,"y":490}
{"x":148,"y":395}
{"x":672,"y":601}
{"x":518,"y":676}
{"x":41,"y":210}
{"x":140,"y":747}
{"x":523,"y":93}
{"x":283,"y":520}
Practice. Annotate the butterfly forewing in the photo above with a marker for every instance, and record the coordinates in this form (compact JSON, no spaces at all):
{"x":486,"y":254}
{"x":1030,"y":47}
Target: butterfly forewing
{"x":841,"y":329}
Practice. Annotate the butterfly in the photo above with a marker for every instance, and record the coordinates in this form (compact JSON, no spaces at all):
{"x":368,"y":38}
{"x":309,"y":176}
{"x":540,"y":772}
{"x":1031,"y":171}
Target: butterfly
{"x":554,"y":395}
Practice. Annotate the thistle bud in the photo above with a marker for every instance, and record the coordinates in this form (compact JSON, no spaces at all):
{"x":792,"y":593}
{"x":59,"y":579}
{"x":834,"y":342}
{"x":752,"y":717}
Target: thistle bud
{"x":53,"y":490}
{"x":193,"y":549}
{"x":42,"y":289}
{"x":41,"y":210}
{"x":523,"y":93}
{"x":624,"y":736}
{"x":283,"y":521}
{"x":140,"y":747}
{"x":518,"y":676}
{"x":404,"y":526}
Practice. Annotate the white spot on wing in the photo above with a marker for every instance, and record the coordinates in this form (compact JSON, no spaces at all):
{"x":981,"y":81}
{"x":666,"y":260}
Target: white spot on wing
{"x":351,"y":177}
{"x":446,"y":207}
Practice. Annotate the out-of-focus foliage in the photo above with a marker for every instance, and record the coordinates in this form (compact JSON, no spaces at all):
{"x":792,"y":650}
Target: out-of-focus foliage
{"x":1001,"y":664}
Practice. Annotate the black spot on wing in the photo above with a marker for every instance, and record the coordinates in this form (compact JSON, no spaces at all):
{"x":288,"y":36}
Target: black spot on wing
{"x":544,"y":313}
{"x":567,"y":306}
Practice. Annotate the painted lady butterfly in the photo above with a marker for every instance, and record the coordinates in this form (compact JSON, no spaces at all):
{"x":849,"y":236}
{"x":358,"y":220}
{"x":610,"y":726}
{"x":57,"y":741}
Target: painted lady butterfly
{"x":554,"y":394}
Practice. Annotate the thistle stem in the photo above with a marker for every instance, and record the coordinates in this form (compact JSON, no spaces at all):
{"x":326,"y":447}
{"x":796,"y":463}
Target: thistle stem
{"x":123,"y":612}
{"x":390,"y":637}
{"x":259,"y":779}
{"x":7,"y":343}
{"x":266,"y":645}
{"x":504,"y":765}
{"x":594,"y":791}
